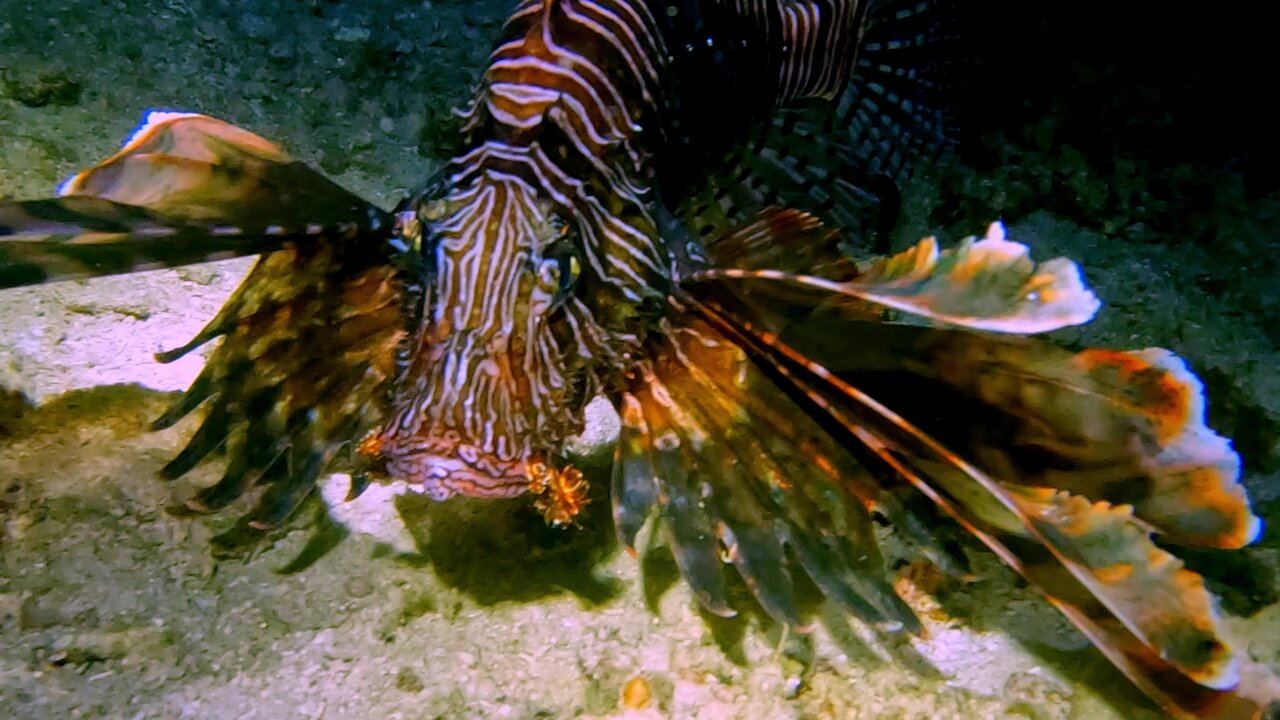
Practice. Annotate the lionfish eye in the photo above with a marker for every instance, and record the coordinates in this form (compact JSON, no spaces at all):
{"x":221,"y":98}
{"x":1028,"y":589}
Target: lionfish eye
{"x":560,"y":266}
{"x":559,"y":272}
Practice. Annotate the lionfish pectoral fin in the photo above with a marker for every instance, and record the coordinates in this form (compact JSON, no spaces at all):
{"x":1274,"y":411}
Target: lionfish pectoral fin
{"x":309,"y":348}
{"x":78,"y":237}
{"x":739,"y":472}
{"x":1062,"y":463}
{"x":200,"y":168}
{"x":183,"y":189}
{"x":986,"y":284}
{"x":310,"y":336}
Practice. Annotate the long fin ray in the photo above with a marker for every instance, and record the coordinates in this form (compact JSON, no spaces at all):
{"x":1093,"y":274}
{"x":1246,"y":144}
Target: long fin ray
{"x":1197,"y":684}
{"x":783,"y":239}
{"x":761,"y":476}
{"x":82,"y":237}
{"x":310,"y":338}
{"x":988,"y":284}
{"x":1063,"y":463}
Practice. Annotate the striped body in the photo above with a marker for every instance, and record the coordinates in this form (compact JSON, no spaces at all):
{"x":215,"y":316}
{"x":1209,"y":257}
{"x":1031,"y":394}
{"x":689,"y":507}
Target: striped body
{"x":577,"y":113}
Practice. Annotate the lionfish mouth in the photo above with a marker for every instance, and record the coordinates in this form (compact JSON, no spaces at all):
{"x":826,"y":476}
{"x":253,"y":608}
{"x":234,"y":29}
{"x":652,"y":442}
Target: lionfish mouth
{"x":560,"y":494}
{"x":445,"y":467}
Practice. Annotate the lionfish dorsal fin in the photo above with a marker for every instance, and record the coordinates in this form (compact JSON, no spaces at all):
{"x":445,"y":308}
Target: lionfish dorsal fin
{"x":783,"y":239}
{"x":849,"y":160}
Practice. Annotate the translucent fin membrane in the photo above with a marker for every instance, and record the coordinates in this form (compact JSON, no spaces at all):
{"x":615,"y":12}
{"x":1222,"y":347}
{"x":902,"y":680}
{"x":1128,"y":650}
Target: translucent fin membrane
{"x":1064,"y":464}
{"x":309,"y":347}
{"x":309,"y":338}
{"x":847,"y":160}
{"x":988,"y":284}
{"x":733,"y":464}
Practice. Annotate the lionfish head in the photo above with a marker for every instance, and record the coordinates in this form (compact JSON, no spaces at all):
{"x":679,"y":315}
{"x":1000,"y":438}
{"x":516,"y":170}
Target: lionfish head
{"x":501,"y":365}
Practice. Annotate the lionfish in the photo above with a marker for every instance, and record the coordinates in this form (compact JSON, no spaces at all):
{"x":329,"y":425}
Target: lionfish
{"x":626,"y":215}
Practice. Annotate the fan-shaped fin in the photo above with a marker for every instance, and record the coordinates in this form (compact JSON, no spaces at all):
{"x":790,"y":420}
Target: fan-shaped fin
{"x":1163,"y":604}
{"x":1046,"y":417}
{"x":688,"y":526}
{"x":249,"y":459}
{"x":310,"y":345}
{"x":168,"y":136}
{"x":1126,"y":427}
{"x":1062,"y":463}
{"x":1172,"y":649}
{"x":310,"y":336}
{"x":730,"y":459}
{"x":1194,"y":496}
{"x":199,"y":168}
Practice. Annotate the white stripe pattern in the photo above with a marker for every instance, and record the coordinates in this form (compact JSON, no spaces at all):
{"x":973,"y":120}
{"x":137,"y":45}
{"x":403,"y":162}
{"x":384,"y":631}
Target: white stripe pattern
{"x":570,"y":111}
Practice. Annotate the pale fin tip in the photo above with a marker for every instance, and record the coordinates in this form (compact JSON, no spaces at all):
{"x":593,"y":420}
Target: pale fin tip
{"x":71,"y":184}
{"x":152,"y":119}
